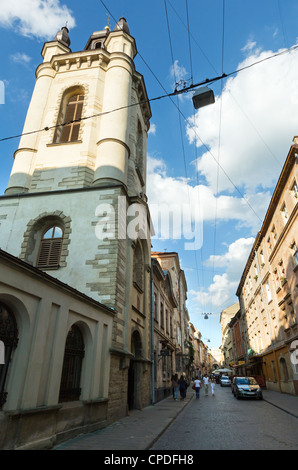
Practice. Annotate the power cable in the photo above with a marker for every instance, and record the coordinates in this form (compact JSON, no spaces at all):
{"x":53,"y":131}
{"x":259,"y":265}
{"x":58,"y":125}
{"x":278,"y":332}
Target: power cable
{"x":215,"y":70}
{"x":166,"y":95}
{"x":180,"y":124}
{"x":189,"y":43}
{"x":219,"y":138}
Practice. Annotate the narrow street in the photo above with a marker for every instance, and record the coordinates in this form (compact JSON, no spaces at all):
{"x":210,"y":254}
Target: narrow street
{"x":224,"y":423}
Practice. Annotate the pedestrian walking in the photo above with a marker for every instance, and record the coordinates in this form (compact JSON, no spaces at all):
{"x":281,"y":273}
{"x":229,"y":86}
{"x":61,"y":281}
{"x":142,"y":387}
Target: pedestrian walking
{"x":175,"y":386}
{"x":197,"y":384}
{"x":212,"y":383}
{"x":182,"y":387}
{"x":206,"y":384}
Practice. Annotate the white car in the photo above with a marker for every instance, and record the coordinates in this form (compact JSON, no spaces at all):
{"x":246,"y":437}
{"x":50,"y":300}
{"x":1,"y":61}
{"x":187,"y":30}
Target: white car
{"x":225,"y":381}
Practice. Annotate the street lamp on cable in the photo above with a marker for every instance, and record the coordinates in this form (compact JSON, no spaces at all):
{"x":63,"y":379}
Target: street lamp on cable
{"x":203,"y":97}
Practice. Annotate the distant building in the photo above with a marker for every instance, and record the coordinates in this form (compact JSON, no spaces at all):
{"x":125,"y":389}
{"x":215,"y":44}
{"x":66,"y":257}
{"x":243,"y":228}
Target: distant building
{"x":227,"y":342}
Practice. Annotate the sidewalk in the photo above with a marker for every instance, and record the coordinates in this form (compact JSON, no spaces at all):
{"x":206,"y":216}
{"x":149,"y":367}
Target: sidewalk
{"x":138,"y":431}
{"x":141,"y":429}
{"x":287,"y":403}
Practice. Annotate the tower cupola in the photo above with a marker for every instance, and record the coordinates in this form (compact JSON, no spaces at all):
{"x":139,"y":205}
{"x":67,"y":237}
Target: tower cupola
{"x":122,"y":26}
{"x":63,"y":37}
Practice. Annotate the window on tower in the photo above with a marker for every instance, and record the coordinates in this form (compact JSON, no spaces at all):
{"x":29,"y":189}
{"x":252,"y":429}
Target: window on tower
{"x":50,"y":248}
{"x":69,"y":120}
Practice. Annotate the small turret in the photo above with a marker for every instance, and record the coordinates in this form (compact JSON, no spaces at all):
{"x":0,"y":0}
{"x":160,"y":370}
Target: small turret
{"x":63,"y":37}
{"x":122,"y":26}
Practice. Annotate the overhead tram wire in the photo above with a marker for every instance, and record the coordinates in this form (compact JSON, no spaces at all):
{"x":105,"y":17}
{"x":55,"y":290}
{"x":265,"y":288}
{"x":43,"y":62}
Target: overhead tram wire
{"x":180,"y":124}
{"x":202,"y":301}
{"x":169,"y":95}
{"x":192,"y":87}
{"x":189,"y":42}
{"x":166,"y":95}
{"x":232,"y":96}
{"x":219,"y":136}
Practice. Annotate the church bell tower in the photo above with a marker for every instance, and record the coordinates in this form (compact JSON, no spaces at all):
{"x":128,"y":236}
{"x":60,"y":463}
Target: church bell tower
{"x":82,"y":159}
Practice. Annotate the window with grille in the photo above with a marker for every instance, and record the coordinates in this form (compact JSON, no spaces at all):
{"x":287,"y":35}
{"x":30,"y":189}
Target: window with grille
{"x":50,"y":248}
{"x":72,"y":366}
{"x":68,"y":131}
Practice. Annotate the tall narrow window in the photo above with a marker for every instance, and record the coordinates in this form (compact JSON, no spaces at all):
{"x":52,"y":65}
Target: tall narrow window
{"x":72,"y":366}
{"x":285,"y":214}
{"x":155,"y":308}
{"x":295,"y":253}
{"x":162,"y":318}
{"x":295,"y":190}
{"x":50,"y":248}
{"x":138,"y":267}
{"x":269,"y":296}
{"x":8,"y":338}
{"x":70,"y":119}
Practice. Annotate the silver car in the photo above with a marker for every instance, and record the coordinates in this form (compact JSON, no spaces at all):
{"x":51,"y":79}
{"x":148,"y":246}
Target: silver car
{"x":246,"y":387}
{"x":225,"y":381}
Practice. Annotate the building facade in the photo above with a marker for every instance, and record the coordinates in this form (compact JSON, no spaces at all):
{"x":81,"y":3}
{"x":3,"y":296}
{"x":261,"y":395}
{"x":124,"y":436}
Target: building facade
{"x":74,"y":200}
{"x":165,"y":340}
{"x":169,"y":263}
{"x":268,"y":290}
{"x":226,"y":315}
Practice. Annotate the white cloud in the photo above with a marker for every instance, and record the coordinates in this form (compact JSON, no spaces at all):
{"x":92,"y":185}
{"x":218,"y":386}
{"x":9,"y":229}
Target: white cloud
{"x":224,"y":285}
{"x":205,"y":206}
{"x":37,"y":18}
{"x":152,"y":129}
{"x":259,"y":107}
{"x":178,"y":72}
{"x":249,"y":47}
{"x":21,"y":58}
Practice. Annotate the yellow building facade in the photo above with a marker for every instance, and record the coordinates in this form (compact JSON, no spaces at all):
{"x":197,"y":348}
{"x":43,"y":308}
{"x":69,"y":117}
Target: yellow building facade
{"x":268,"y":290}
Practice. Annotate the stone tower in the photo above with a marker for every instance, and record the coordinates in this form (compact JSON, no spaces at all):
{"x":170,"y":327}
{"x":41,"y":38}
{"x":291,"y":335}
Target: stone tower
{"x":77,"y":184}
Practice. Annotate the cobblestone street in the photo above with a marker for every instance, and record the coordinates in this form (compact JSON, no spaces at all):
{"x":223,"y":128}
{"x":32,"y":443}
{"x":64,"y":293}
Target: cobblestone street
{"x":222,"y":423}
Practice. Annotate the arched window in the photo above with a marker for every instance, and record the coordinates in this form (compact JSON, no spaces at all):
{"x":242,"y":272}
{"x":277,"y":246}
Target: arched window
{"x":72,"y":366}
{"x":136,"y":344}
{"x":50,"y":248}
{"x":8,"y":338}
{"x":69,"y":118}
{"x":284,"y":369}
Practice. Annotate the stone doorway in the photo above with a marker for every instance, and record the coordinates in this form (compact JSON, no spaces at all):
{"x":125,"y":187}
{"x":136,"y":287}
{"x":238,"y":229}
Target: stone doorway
{"x":134,"y":373}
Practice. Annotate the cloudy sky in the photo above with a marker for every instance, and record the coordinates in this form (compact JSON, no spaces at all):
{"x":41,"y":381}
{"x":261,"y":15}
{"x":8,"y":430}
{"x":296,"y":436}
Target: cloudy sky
{"x":218,"y":166}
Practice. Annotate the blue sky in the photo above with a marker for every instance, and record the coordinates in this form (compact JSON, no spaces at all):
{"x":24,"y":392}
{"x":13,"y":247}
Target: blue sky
{"x":248,"y":130}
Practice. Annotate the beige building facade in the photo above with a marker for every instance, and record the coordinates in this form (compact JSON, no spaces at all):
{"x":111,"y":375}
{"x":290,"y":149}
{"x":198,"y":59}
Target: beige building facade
{"x":169,"y":263}
{"x":165,"y":340}
{"x":75,"y":198}
{"x":268,"y":290}
{"x":55,"y":377}
{"x":226,"y":316}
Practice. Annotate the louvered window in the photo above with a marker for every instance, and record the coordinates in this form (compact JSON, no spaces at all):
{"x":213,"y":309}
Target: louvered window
{"x":69,"y":131}
{"x":50,"y":248}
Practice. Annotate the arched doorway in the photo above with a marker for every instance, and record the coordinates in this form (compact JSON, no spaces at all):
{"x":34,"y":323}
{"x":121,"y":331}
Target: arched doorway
{"x":8,"y":338}
{"x":70,"y":389}
{"x":134,"y":373}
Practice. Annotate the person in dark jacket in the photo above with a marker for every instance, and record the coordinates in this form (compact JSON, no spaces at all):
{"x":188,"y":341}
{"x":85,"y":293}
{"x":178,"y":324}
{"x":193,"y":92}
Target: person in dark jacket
{"x":182,"y":387}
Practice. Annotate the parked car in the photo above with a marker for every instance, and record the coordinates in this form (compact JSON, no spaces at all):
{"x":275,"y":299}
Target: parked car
{"x":225,"y":381}
{"x":246,"y":387}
